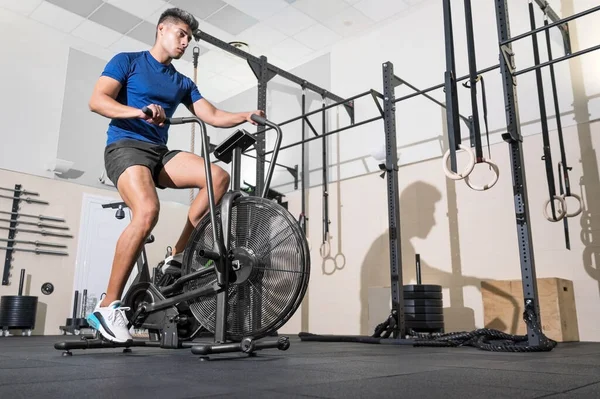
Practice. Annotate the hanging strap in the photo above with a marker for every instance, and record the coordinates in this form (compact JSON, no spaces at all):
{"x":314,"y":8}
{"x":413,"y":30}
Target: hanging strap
{"x":325,"y":245}
{"x":547,"y":157}
{"x":485,"y":110}
{"x":485,"y":114}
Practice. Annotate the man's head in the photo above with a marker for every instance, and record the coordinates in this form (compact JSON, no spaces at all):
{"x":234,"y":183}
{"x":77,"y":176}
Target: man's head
{"x":423,"y":197}
{"x":174,"y":31}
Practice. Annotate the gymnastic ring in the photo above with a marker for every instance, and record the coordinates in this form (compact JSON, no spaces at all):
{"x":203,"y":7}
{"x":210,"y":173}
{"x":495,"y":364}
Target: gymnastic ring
{"x":578,"y":198}
{"x":334,"y":261}
{"x":325,"y":245}
{"x":494,"y":179}
{"x":335,"y":258}
{"x":468,"y":169}
{"x":561,"y":214}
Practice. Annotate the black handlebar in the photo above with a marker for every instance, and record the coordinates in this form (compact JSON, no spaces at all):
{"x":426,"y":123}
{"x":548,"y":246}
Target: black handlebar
{"x":168,"y":121}
{"x":147,"y":111}
{"x":177,"y":121}
{"x":259,"y":119}
{"x":172,"y":121}
{"x":256,"y":118}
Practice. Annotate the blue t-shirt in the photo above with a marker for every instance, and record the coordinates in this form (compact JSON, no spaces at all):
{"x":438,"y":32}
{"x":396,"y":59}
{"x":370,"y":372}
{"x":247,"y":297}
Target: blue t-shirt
{"x":146,"y":81}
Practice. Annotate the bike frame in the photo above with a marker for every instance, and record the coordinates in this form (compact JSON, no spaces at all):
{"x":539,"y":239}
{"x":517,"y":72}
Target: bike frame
{"x":223,"y":265}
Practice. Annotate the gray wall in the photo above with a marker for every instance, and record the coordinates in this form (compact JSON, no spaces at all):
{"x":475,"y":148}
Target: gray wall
{"x":82,"y":133}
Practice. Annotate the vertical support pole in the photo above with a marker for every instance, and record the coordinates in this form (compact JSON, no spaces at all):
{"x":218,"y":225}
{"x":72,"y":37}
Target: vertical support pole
{"x":75,"y":305}
{"x":263,"y":78}
{"x":11,"y":234}
{"x":418,"y":266}
{"x":21,"y":282}
{"x":514,"y":139}
{"x":236,"y":169}
{"x":452,"y":113}
{"x":304,"y":223}
{"x":142,"y":265}
{"x":393,"y":196}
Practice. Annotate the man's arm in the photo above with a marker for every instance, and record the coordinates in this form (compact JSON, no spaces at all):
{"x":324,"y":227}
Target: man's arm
{"x":219,"y":118}
{"x":103,"y":102}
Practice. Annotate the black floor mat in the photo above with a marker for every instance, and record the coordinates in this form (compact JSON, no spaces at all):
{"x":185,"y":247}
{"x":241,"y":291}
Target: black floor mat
{"x":30,"y":367}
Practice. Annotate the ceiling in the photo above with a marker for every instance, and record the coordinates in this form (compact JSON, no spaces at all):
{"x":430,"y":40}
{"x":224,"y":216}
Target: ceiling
{"x":288,"y":32}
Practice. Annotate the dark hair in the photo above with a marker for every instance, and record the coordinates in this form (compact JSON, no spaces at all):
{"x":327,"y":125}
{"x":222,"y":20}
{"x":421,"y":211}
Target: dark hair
{"x":179,"y":15}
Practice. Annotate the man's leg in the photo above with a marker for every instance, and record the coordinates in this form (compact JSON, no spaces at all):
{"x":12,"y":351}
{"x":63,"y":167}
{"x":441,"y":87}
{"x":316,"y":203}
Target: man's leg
{"x":137,"y":190}
{"x":186,"y":170}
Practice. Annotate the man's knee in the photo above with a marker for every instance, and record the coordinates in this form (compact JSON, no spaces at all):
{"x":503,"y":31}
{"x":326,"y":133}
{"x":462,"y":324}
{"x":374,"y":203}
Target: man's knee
{"x":220,"y":177}
{"x":147,"y":215}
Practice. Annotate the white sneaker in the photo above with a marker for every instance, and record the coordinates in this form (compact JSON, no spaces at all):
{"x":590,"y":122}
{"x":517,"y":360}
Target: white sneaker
{"x":172,"y":264}
{"x":111,"y":322}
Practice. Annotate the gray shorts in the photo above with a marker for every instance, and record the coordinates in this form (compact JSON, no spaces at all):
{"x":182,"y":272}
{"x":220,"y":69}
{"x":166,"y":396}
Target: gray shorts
{"x":120,"y":155}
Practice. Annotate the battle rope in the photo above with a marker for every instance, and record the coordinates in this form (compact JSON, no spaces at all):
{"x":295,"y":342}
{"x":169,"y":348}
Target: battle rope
{"x":483,"y":338}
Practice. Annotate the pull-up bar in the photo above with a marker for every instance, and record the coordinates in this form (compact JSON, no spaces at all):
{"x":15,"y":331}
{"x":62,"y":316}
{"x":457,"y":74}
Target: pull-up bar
{"x":357,"y":124}
{"x":317,"y":111}
{"x":556,"y":60}
{"x":255,"y":61}
{"x":543,"y":28}
{"x":436,"y":87}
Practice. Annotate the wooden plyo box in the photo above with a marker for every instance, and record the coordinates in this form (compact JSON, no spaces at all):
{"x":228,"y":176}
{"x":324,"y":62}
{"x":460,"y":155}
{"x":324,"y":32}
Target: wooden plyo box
{"x":503,"y":307}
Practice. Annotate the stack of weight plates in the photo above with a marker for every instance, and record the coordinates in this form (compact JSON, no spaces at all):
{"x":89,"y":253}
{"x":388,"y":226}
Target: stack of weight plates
{"x":423,"y":308}
{"x":18,"y":312}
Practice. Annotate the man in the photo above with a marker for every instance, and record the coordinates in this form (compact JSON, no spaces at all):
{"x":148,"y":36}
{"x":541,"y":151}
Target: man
{"x":137,"y":159}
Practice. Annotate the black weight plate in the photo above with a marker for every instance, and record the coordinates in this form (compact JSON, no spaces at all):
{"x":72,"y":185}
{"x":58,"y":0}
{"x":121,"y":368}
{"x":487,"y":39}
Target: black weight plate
{"x":425,"y":325}
{"x":423,"y":302}
{"x":423,"y":288}
{"x":422,"y":295}
{"x":423,"y":317}
{"x":47,"y":288}
{"x":423,"y":309}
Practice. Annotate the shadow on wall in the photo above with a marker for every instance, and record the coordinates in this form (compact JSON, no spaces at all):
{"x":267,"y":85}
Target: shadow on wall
{"x":589,"y":185}
{"x":375,"y":270}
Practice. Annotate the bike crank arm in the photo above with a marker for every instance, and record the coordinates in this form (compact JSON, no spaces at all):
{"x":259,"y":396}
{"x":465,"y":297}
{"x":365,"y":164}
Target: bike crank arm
{"x":40,"y":225}
{"x":206,"y":290}
{"x":36,"y":243}
{"x":28,"y":200}
{"x":42,"y":232}
{"x":37,"y":251}
{"x":41,"y":217}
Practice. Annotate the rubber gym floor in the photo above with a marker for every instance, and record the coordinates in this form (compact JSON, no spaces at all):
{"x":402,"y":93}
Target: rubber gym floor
{"x":30,"y":367}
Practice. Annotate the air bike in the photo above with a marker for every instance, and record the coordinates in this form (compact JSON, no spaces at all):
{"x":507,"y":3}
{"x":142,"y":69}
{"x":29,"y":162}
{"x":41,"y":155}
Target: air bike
{"x":240,"y":282}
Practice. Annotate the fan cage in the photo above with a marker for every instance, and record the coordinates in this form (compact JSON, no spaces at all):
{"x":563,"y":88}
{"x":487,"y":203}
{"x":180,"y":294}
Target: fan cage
{"x":269,"y":235}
